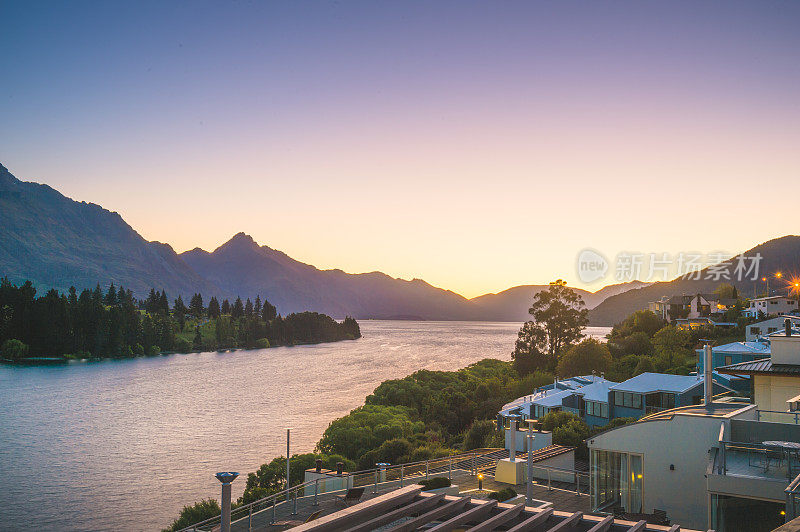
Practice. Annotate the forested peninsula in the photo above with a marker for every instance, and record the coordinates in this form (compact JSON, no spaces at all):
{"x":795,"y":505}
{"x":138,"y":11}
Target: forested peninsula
{"x":112,"y":323}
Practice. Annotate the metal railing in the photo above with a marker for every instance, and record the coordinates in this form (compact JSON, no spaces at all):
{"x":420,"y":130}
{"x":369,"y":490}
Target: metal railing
{"x":284,"y":504}
{"x":792,"y":494}
{"x":778,"y":416}
{"x":782,"y":461}
{"x":563,"y":478}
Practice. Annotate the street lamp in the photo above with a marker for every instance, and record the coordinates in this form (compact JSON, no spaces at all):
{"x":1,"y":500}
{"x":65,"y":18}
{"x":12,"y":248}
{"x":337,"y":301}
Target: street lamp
{"x":226,"y":477}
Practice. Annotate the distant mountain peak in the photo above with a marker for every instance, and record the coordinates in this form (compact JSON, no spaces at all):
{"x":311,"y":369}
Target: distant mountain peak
{"x":239,"y":242}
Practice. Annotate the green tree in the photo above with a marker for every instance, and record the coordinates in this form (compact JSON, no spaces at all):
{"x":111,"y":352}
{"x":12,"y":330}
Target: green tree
{"x":238,"y":309}
{"x":559,"y":316}
{"x":179,"y":311}
{"x":583,"y":358}
{"x":199,"y":511}
{"x":645,"y":365}
{"x":670,"y":346}
{"x":213,"y":308}
{"x":14,"y":349}
{"x":366,"y":428}
{"x":196,"y":308}
{"x":726,"y":291}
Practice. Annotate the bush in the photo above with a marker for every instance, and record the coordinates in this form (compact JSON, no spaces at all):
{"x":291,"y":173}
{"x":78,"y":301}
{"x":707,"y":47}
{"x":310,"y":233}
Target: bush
{"x":138,"y":350}
{"x":199,"y":511}
{"x":183,"y":345}
{"x":503,"y":495}
{"x":435,"y":483}
{"x":262,"y":343}
{"x":153,"y":350}
{"x":14,"y":349}
{"x":482,"y":434}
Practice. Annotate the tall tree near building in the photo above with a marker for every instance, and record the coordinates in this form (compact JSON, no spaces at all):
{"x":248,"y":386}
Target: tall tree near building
{"x":238,"y":309}
{"x":559,"y":316}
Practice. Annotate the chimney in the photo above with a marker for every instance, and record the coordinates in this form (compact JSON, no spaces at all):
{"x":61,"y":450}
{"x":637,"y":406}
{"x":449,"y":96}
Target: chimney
{"x":787,"y":325}
{"x":708,"y":381}
{"x":319,"y":466}
{"x":339,"y":468}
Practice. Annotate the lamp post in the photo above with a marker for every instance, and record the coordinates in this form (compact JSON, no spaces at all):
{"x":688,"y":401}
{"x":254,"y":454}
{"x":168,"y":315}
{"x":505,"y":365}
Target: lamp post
{"x":287,"y":463}
{"x":226,"y":477}
{"x":480,"y":481}
{"x":529,"y":483}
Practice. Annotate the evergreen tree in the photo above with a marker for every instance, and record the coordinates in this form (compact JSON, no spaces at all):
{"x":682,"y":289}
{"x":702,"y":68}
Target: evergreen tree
{"x":196,"y":306}
{"x":111,"y":296}
{"x":268,"y":311}
{"x":257,"y":306}
{"x":163,"y":304}
{"x":248,"y":308}
{"x":197,"y":344}
{"x":213,"y":308}
{"x":238,"y":309}
{"x":226,"y":307}
{"x":179,"y":311}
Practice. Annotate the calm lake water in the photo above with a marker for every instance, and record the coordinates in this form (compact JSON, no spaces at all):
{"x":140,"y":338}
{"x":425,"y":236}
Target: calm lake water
{"x":125,"y":444}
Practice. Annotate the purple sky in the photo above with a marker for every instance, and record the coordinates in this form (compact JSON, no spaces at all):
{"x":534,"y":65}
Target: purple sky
{"x":475,"y":145}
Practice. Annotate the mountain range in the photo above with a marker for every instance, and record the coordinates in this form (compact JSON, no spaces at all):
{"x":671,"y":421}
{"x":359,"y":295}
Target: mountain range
{"x":57,"y":242}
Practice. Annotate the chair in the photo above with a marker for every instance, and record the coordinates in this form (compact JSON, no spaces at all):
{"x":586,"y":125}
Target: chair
{"x":352,"y":496}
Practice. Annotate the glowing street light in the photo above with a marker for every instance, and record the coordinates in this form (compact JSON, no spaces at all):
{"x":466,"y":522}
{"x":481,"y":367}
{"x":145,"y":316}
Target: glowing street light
{"x":480,"y":481}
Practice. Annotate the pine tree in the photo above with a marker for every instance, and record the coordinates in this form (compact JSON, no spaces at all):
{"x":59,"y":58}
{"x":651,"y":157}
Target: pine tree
{"x":163,"y":304}
{"x":179,"y":311}
{"x":213,"y":308}
{"x":257,"y":306}
{"x":111,"y":296}
{"x":238,"y":309}
{"x":268,"y":311}
{"x":248,"y":308}
{"x":226,"y":307}
{"x":196,"y":306}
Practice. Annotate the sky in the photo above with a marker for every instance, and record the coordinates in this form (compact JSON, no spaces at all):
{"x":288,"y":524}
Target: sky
{"x":476,"y":145}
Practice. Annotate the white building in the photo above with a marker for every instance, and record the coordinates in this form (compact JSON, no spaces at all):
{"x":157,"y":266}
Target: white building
{"x":766,"y":327}
{"x":771,"y":306}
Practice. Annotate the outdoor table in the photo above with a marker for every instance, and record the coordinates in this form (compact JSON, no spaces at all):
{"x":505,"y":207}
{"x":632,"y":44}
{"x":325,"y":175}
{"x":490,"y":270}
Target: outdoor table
{"x":790,"y":447}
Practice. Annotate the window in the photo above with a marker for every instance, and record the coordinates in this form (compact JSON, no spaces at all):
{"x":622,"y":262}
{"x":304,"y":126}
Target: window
{"x":618,"y":480}
{"x":628,"y":400}
{"x":755,"y":330}
{"x":597,"y":409}
{"x":728,"y":360}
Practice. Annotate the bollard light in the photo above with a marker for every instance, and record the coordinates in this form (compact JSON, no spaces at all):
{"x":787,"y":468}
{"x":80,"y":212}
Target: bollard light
{"x":226,"y":477}
{"x":480,"y":481}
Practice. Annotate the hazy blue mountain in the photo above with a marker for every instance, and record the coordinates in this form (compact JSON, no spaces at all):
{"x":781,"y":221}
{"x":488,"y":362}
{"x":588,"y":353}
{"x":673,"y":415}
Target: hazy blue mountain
{"x":513,"y":304}
{"x":243,"y":267}
{"x":781,"y":254}
{"x":57,"y":242}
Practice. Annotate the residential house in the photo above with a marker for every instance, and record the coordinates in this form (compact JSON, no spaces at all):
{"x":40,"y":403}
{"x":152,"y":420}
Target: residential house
{"x":771,"y":306}
{"x":647,"y":393}
{"x":766,"y":327}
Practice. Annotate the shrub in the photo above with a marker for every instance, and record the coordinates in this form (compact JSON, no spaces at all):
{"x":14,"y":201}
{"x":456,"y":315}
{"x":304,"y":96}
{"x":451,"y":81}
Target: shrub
{"x":262,"y":343}
{"x":435,"y":483}
{"x":138,"y":350}
{"x":481,"y":434}
{"x":199,"y":511}
{"x":153,"y":350}
{"x":14,"y":349}
{"x":503,"y":495}
{"x":182,"y":345}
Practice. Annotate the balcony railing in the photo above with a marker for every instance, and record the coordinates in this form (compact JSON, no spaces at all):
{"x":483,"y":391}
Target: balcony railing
{"x":778,"y":417}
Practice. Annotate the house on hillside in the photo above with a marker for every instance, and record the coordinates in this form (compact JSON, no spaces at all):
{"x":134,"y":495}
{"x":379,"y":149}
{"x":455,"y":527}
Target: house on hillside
{"x":690,"y":306}
{"x":766,"y":327}
{"x":771,"y":306}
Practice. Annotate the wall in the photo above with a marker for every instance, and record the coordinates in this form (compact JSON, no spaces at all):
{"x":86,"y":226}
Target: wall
{"x":540,"y":441}
{"x":683,"y":441}
{"x":772,"y":392}
{"x":785,"y":349}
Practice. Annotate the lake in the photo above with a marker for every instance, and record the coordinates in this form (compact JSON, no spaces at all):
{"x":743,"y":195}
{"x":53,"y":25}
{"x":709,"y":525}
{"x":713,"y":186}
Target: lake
{"x":125,"y":444}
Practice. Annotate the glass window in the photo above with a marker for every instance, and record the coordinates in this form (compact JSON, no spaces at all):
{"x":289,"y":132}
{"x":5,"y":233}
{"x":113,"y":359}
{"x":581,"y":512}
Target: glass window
{"x":618,"y":481}
{"x":604,"y":410}
{"x":728,"y":360}
{"x":637,"y":400}
{"x":636,"y":484}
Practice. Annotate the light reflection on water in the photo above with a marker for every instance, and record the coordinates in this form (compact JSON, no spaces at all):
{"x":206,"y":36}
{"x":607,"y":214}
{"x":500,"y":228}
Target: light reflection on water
{"x":125,"y":444}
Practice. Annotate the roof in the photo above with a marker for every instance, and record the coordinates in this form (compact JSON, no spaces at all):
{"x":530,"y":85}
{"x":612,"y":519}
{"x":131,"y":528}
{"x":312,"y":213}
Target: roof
{"x":742,"y":347}
{"x":658,"y":382}
{"x":597,"y":391}
{"x":409,"y":508}
{"x":762,"y":366}
{"x":770,"y":297}
{"x":552,"y":399}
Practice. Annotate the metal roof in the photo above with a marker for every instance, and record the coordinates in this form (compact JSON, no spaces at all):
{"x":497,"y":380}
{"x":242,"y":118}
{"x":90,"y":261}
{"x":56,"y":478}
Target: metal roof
{"x":597,"y":391}
{"x":741,"y":347}
{"x":658,"y":382}
{"x":762,"y":366}
{"x":409,"y":508}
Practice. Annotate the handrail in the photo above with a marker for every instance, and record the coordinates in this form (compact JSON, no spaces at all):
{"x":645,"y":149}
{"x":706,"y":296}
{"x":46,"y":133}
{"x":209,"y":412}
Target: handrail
{"x":475,"y":453}
{"x":793,"y":487}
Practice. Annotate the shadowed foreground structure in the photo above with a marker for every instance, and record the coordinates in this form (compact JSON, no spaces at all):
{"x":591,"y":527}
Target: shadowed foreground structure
{"x":410,"y":508}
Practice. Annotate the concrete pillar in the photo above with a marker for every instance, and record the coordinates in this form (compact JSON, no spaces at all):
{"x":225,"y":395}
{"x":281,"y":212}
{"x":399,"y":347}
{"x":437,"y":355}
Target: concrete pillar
{"x":708,"y":385}
{"x":529,"y":481}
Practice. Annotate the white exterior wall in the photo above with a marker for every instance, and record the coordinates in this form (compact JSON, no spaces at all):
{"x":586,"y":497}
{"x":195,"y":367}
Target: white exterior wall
{"x":773,"y":307}
{"x":772,"y":392}
{"x":785,"y":349}
{"x":540,"y":441}
{"x":683,"y":441}
{"x":767,"y":327}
